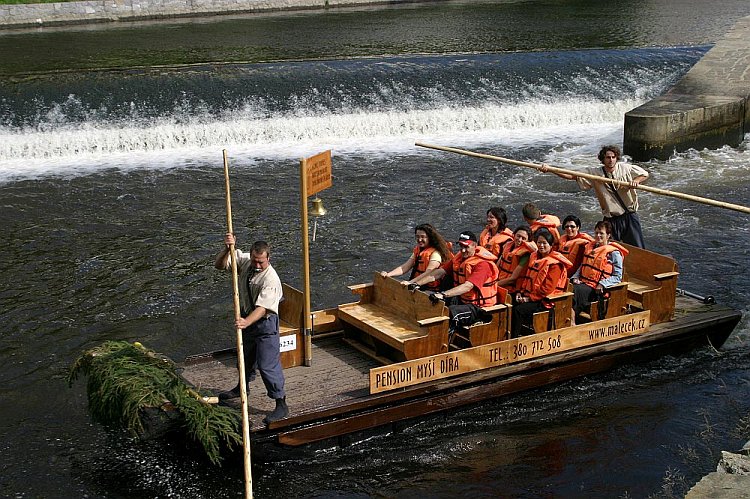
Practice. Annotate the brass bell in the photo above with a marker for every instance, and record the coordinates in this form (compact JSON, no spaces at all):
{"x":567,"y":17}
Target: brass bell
{"x":317,"y":208}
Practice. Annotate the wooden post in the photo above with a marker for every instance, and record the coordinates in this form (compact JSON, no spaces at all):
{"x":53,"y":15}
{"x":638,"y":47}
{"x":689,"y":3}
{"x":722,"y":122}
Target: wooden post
{"x":240,"y":353}
{"x":307,"y":324}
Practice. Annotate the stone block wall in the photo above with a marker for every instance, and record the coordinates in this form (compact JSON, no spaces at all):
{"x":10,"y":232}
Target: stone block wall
{"x":92,"y":11}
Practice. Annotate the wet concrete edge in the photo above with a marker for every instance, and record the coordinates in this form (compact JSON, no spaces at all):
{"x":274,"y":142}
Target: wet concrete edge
{"x":708,"y":108}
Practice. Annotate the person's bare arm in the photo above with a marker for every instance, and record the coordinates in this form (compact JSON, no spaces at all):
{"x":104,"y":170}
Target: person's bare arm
{"x":567,"y":176}
{"x":223,"y":256}
{"x":401,"y":269}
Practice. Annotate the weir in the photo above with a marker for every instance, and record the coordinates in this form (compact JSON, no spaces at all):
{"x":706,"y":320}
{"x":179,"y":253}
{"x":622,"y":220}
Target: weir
{"x":707,"y":108}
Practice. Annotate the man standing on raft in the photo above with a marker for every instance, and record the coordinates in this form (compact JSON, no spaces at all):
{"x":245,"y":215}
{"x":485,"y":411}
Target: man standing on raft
{"x":619,"y":204}
{"x":260,"y":294}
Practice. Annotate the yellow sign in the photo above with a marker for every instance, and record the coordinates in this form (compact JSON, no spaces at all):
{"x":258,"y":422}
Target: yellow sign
{"x":506,"y":352}
{"x":318,"y":171}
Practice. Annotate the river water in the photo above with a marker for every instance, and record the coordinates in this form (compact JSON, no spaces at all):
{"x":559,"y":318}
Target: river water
{"x":112,"y":209}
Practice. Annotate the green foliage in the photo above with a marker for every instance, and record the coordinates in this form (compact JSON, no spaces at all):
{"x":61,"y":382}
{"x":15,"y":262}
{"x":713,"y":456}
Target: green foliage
{"x":124,"y":380}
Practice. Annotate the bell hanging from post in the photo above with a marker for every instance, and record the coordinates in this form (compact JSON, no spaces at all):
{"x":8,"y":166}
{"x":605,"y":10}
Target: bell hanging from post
{"x":317,"y":211}
{"x":317,"y":208}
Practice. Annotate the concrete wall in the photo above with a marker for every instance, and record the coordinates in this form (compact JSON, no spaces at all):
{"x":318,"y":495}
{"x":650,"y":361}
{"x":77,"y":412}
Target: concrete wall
{"x":708,"y":108}
{"x":91,"y":11}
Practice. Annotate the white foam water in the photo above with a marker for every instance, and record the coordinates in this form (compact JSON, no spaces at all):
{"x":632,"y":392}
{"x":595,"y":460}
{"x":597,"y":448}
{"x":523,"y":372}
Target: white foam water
{"x":71,"y":147}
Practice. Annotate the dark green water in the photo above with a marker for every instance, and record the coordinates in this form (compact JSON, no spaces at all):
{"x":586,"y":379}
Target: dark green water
{"x":111,"y":210}
{"x":424,"y":28}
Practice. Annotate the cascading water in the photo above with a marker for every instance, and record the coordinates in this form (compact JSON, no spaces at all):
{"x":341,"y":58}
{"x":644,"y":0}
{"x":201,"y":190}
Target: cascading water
{"x":280,"y":110}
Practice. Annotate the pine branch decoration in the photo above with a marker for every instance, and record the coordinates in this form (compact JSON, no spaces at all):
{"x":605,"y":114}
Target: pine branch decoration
{"x":124,"y":380}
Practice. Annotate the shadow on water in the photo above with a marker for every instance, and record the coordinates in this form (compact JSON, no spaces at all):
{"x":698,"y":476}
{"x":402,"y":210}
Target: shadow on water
{"x":555,"y":442}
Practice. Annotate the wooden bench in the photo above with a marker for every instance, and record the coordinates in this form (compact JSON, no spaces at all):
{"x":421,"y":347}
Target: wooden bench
{"x":617,"y":303}
{"x":392,"y":324}
{"x":563,"y":304}
{"x":482,"y":333}
{"x":652,"y":283}
{"x":291,"y":324}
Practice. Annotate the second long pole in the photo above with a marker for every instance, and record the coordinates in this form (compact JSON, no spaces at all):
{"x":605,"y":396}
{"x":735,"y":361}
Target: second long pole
{"x":594,"y":178}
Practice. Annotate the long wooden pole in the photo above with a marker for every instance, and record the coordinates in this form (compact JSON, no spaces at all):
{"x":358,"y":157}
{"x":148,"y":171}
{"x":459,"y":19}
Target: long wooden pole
{"x":307,"y":333}
{"x":240,"y":351}
{"x":595,"y":178}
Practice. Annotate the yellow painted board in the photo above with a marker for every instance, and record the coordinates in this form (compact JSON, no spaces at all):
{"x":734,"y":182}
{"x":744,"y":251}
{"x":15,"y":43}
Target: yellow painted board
{"x":506,"y":352}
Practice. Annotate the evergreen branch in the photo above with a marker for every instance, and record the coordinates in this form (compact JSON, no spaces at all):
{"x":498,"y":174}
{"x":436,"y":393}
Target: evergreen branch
{"x":126,"y":379}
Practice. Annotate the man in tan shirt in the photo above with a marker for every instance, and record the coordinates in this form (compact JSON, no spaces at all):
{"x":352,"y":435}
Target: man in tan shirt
{"x":619,"y":204}
{"x":260,"y":294}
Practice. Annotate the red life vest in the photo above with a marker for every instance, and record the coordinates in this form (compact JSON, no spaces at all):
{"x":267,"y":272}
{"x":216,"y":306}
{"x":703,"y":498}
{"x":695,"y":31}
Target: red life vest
{"x":549,"y":222}
{"x":497,"y":242}
{"x":536,"y":282}
{"x":596,"y":266}
{"x":486,"y":295}
{"x":421,"y":261}
{"x":573,"y":249}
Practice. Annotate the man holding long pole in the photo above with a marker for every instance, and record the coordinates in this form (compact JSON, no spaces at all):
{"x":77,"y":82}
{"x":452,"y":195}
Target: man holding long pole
{"x":260,"y":294}
{"x":619,"y":203}
{"x":594,"y":178}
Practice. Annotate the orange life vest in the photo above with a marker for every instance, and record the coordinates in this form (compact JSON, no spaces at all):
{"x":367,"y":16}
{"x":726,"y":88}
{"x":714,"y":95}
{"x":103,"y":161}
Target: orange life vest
{"x":596,"y":266}
{"x":549,"y":222}
{"x":497,"y":242}
{"x":535,"y":282}
{"x":450,"y":247}
{"x":509,"y":261}
{"x":573,"y":249}
{"x":486,"y":295}
{"x":421,"y":261}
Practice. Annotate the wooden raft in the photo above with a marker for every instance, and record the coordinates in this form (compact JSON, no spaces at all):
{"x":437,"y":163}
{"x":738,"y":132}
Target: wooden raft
{"x":652,"y":283}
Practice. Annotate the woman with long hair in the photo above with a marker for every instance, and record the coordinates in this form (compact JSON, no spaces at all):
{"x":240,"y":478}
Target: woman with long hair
{"x":514,"y":259}
{"x":429,"y":253}
{"x":496,"y":235}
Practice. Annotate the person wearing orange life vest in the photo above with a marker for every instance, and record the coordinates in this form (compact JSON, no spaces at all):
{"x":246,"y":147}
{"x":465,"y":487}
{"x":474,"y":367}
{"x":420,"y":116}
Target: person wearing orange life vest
{"x":573,"y":242}
{"x":429,"y":253}
{"x":474,"y":275}
{"x":545,"y":276}
{"x":601,"y":268}
{"x":495,"y":234}
{"x":537,"y":220}
{"x":512,"y":263}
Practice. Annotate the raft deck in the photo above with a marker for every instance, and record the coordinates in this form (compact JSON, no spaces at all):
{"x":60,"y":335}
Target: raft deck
{"x":332,"y":396}
{"x":339,"y":374}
